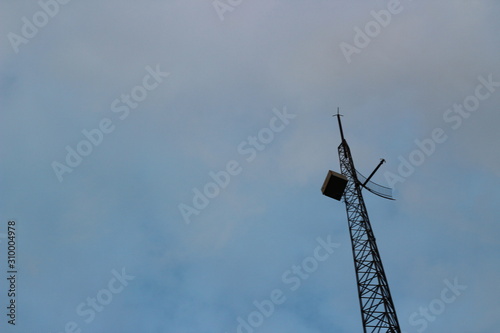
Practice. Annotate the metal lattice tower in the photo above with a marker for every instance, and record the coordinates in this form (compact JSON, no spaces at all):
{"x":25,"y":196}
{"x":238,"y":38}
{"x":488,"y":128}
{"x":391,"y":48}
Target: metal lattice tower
{"x":377,"y":308}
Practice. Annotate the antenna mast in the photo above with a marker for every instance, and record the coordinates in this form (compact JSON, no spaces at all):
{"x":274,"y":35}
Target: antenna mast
{"x":377,"y":308}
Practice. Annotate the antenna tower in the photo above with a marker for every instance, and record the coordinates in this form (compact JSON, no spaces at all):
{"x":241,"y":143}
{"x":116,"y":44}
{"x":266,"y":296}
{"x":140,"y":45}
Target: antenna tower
{"x":377,"y":308}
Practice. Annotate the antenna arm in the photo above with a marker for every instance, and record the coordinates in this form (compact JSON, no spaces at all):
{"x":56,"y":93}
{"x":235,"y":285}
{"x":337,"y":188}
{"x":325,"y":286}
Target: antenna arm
{"x":382,"y":161}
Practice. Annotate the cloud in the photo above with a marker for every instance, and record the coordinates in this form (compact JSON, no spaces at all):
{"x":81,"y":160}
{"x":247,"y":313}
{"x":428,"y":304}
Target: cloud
{"x":119,"y":208}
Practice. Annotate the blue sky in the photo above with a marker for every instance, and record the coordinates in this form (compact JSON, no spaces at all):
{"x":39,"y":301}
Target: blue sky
{"x":200,"y":85}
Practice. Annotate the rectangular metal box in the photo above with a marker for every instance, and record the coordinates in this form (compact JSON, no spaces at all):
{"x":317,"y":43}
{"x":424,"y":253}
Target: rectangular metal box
{"x":334,"y":185}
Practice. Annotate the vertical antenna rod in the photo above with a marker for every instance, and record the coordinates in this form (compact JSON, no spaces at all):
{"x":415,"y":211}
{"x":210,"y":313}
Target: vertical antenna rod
{"x":340,"y":124}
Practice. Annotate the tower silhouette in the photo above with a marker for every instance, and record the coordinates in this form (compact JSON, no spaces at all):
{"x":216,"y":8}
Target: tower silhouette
{"x":377,"y":308}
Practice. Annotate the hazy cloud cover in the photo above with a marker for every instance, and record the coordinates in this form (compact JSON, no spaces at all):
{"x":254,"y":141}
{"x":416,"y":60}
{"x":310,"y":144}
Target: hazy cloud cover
{"x":229,"y":80}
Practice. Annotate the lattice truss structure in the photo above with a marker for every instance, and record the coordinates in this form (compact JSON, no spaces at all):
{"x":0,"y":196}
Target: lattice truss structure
{"x":377,"y":308}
